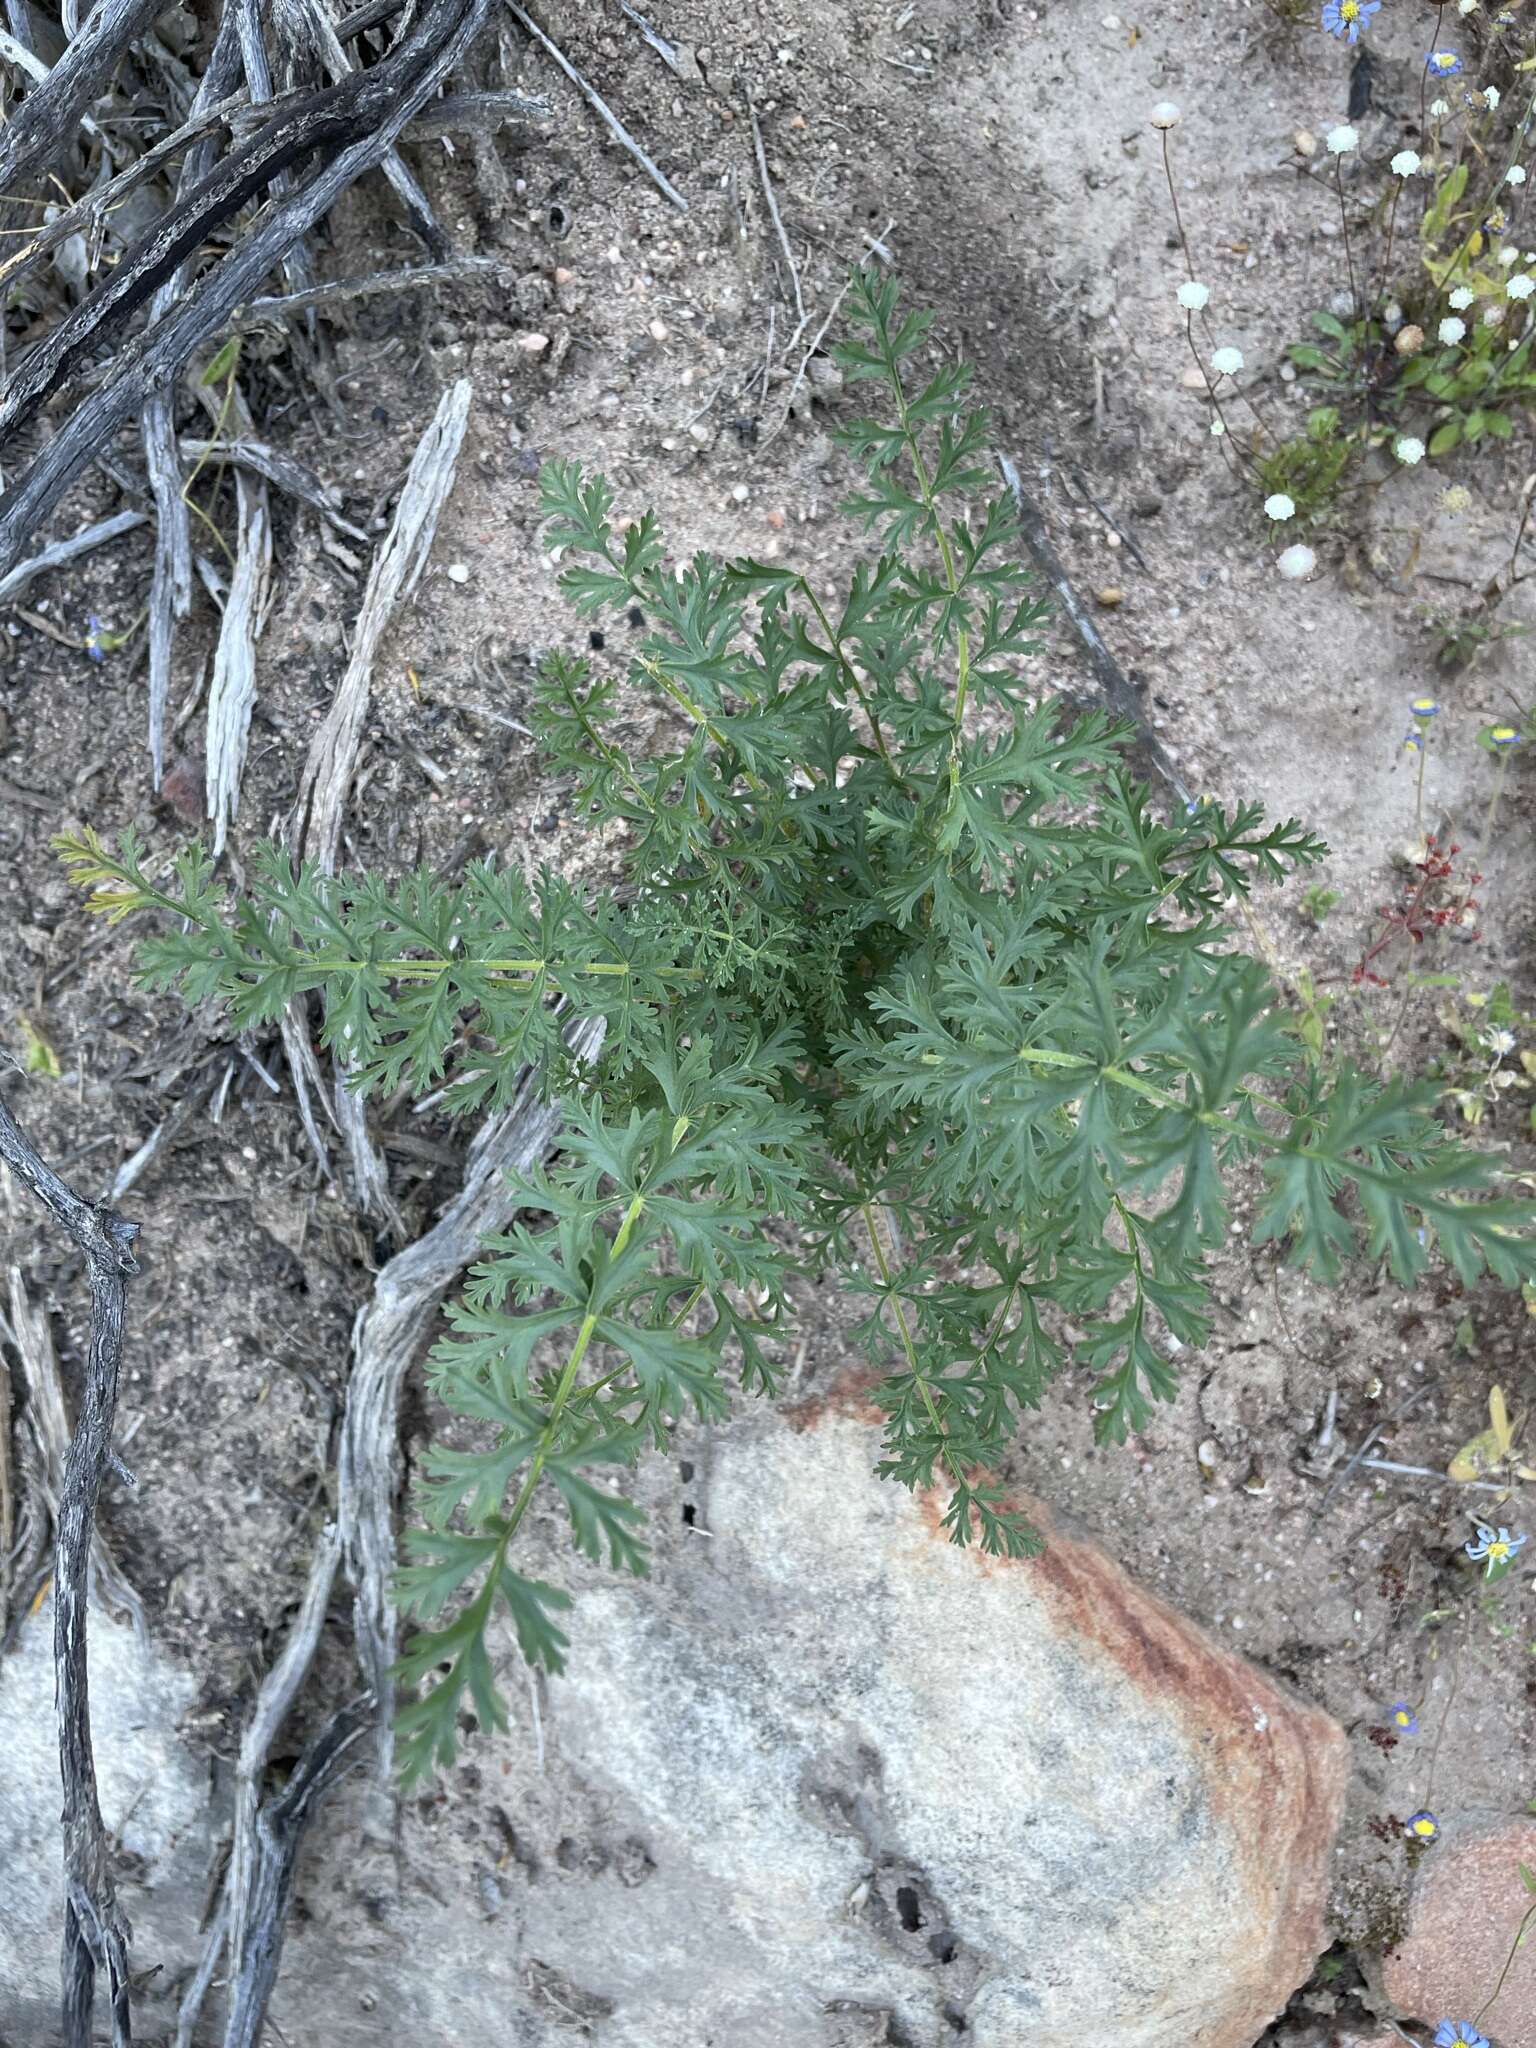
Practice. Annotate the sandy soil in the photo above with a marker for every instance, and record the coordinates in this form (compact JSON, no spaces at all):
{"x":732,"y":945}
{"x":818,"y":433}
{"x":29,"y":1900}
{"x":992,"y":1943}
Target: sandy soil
{"x":1002,"y":154}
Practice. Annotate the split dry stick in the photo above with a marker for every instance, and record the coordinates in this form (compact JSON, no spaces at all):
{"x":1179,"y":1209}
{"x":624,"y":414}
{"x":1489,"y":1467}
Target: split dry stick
{"x":44,"y":125}
{"x":290,"y":476}
{"x":424,"y":276}
{"x":315,"y":827}
{"x":386,"y":1340}
{"x":58,"y":552}
{"x":96,"y":1934}
{"x":232,"y":692}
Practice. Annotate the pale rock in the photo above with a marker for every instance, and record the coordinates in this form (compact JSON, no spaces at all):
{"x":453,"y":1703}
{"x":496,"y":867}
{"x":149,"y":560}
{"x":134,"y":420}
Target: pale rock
{"x":880,"y":1774}
{"x":1463,"y":1915}
{"x":154,"y":1801}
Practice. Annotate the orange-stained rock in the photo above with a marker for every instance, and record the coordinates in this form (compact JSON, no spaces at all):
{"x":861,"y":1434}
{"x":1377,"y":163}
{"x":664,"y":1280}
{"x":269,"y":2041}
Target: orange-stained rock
{"x":1465,"y":1910}
{"x":885,"y":1771}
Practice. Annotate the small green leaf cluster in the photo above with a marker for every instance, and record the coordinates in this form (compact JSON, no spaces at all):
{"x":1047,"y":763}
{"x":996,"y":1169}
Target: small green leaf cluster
{"x":903,"y":978}
{"x":1310,"y":467}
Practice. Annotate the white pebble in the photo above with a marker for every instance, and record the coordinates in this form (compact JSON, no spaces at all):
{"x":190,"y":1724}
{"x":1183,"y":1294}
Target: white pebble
{"x":458,"y":572}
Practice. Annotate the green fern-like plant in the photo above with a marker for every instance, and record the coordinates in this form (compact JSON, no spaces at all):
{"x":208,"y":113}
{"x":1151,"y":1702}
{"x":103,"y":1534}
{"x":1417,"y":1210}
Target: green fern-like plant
{"x":901,"y":976}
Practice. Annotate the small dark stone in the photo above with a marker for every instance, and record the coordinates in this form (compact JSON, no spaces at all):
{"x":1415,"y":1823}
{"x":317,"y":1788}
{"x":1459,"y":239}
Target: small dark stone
{"x":1148,"y":505}
{"x":595,"y":641}
{"x":380,"y":416}
{"x":636,"y":616}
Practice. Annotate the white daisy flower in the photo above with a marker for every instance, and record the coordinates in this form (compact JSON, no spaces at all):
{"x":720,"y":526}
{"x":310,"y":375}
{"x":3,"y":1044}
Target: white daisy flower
{"x":1226,"y":362}
{"x":1279,"y":506}
{"x":1408,"y":448}
{"x":1491,"y":95}
{"x":1166,"y":115}
{"x":1521,"y":285}
{"x":1501,"y":1042}
{"x":1515,"y":175}
{"x":1509,"y":254}
{"x":1218,"y":428}
{"x":1439,"y":109}
{"x":1451,"y":329}
{"x":1296,"y":562}
{"x":1462,"y":297}
{"x":1466,"y":6}
{"x":1342,"y":140}
{"x":1406,"y":162}
{"x":1194,"y":297}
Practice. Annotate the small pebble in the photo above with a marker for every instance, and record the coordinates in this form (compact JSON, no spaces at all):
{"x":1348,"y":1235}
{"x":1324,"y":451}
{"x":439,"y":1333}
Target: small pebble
{"x":533,"y":344}
{"x":1305,"y":141}
{"x":658,"y":330}
{"x":458,"y":572}
{"x":1193,"y":381}
{"x":775,"y":520}
{"x":564,"y":276}
{"x":1110,"y":596}
{"x":739,"y":493}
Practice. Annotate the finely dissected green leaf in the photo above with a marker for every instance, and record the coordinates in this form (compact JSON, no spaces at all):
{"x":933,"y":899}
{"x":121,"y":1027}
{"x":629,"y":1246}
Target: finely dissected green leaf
{"x":903,"y":979}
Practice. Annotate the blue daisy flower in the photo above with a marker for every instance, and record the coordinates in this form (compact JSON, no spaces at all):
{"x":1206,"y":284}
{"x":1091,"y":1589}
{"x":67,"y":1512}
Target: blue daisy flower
{"x":1422,"y":1826}
{"x":1460,"y":2034}
{"x":1496,"y":1545}
{"x":93,"y":630}
{"x":1404,"y":1718}
{"x":1443,"y":63}
{"x":1347,"y":18}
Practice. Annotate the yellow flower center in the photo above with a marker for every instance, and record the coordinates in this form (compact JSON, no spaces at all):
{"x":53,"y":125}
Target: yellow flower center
{"x":1350,"y":10}
{"x":1401,"y":1719}
{"x":1423,"y":1827}
{"x":1498,"y":1550}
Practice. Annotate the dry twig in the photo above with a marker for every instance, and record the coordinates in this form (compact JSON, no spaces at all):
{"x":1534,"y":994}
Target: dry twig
{"x":58,"y":552}
{"x":96,"y":1934}
{"x":600,"y":106}
{"x":1108,"y":673}
{"x":778,"y":225}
